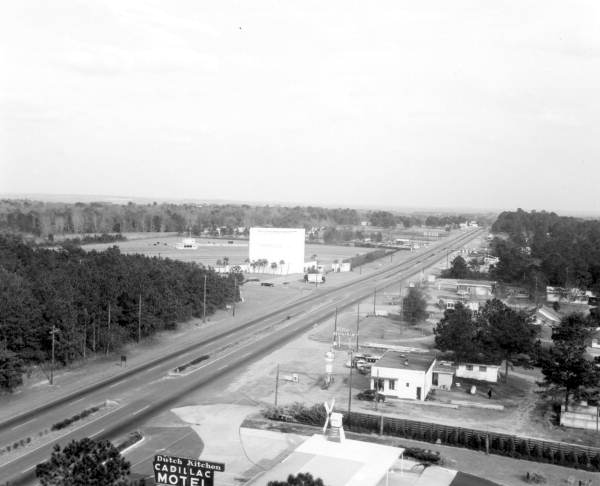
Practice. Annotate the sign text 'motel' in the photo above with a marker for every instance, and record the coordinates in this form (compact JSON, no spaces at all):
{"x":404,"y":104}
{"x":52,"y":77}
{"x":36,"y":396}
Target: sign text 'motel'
{"x":177,"y":471}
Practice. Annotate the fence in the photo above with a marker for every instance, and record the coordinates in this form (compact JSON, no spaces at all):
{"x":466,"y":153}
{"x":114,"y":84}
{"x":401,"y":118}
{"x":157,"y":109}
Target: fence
{"x":559,"y":453}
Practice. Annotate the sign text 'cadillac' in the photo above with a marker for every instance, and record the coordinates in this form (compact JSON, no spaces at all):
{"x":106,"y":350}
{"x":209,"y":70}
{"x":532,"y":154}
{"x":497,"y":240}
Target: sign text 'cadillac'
{"x":177,"y":471}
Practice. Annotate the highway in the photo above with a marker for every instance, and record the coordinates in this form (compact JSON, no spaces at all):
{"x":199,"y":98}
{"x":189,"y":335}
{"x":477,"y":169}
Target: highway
{"x":144,"y":391}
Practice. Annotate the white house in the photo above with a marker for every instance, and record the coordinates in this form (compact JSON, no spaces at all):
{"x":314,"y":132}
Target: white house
{"x":403,"y":375}
{"x":476,"y":371}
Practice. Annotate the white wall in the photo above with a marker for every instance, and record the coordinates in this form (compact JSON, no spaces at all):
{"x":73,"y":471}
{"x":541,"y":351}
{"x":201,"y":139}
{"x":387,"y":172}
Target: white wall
{"x":406,"y":381}
{"x":490,"y":374}
{"x":276,"y":244}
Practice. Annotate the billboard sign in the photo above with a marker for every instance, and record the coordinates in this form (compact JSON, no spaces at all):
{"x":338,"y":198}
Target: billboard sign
{"x":177,"y":471}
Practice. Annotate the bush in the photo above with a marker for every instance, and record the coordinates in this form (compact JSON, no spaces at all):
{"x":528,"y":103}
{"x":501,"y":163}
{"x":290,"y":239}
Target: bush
{"x":595,"y":462}
{"x":582,"y":459}
{"x":68,"y":421}
{"x":511,"y":448}
{"x":570,"y":459}
{"x":547,"y":455}
{"x":559,"y":458}
{"x":523,"y":449}
{"x":132,"y":439}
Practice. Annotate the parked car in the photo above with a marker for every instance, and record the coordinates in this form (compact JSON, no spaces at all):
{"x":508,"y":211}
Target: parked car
{"x":371,"y":396}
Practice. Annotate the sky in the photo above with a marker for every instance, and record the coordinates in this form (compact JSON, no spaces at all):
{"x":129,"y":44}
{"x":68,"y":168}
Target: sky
{"x":384,"y":103}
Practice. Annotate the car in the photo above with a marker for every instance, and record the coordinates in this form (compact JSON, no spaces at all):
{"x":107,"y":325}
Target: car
{"x":267,"y":284}
{"x":371,"y":396}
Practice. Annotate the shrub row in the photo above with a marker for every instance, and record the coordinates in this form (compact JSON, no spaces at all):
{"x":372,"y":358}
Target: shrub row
{"x":501,"y":444}
{"x":179,"y":369}
{"x":132,"y":439}
{"x":68,"y":421}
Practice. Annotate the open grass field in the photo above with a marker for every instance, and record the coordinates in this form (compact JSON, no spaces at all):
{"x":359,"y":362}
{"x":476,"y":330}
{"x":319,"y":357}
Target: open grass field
{"x":211,"y":249}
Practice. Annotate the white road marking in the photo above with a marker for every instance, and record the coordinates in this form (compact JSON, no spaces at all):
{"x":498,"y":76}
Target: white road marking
{"x":140,"y":410}
{"x":97,"y":433}
{"x":222,"y":368}
{"x":78,"y":400}
{"x":29,"y":468}
{"x":24,"y":423}
{"x":114,"y":384}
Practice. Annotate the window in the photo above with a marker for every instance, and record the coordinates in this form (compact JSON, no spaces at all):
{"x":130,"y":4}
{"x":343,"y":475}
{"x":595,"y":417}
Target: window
{"x":392,"y":385}
{"x":483,"y":369}
{"x":469,"y":367}
{"x":407,"y":385}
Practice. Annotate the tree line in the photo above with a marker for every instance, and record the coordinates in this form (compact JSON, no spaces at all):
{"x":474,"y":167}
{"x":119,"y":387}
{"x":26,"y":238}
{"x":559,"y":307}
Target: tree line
{"x":53,"y":219}
{"x":93,"y":301}
{"x":541,"y":248}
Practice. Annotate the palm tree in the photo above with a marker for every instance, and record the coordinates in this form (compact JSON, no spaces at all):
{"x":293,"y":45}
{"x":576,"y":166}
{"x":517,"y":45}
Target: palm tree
{"x":281,"y":264}
{"x":274,"y":266}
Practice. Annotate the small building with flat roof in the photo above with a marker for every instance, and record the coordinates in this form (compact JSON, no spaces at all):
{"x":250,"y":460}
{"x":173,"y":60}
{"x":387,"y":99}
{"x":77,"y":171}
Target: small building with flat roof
{"x":479,"y":371}
{"x":443,"y":375}
{"x":403,"y":375}
{"x":346,"y":463}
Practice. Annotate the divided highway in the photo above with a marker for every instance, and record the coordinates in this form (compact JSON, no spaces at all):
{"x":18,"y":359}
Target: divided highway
{"x":146,"y":390}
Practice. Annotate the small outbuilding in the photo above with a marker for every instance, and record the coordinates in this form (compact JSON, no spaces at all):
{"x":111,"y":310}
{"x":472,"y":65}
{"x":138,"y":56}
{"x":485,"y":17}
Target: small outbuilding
{"x":478,"y":371}
{"x":442,"y":376}
{"x":403,"y":375}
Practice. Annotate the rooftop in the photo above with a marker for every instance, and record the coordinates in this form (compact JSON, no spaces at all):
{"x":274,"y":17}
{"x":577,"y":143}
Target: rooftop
{"x":395,"y":359}
{"x":347,"y":463}
{"x":476,"y":283}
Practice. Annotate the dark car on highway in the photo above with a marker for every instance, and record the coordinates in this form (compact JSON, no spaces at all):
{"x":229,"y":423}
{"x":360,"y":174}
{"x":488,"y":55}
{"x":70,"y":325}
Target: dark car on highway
{"x":371,"y":396}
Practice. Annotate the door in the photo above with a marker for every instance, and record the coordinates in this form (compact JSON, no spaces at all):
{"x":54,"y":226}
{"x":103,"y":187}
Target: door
{"x":434,"y":379}
{"x":418,"y":393}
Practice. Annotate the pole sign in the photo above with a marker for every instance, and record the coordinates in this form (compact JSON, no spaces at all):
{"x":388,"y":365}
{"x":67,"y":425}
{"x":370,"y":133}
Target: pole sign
{"x":177,"y":471}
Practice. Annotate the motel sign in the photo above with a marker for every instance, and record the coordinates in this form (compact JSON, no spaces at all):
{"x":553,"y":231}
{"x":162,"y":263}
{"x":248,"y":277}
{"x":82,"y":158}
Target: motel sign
{"x":177,"y":471}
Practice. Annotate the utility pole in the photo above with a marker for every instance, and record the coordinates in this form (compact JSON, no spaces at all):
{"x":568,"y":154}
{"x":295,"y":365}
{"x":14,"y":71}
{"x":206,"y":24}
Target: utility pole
{"x":335,"y":327}
{"x":234,"y":294}
{"x":52,"y":333}
{"x":276,"y":385}
{"x":350,"y":387}
{"x":139,"y":318}
{"x":374,"y":299}
{"x":204,"y":301}
{"x":357,"y":324}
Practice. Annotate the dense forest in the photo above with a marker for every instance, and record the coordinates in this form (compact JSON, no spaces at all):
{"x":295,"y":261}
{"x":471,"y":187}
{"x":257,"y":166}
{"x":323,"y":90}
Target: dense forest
{"x":540,"y":248}
{"x":96,"y":301}
{"x":53,"y":219}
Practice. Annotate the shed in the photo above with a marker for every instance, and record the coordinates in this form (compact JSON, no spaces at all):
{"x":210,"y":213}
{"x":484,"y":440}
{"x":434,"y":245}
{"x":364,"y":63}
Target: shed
{"x":443,"y":375}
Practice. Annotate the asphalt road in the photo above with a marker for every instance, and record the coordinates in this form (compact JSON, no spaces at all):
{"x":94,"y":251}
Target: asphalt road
{"x":148,"y":391}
